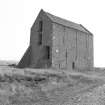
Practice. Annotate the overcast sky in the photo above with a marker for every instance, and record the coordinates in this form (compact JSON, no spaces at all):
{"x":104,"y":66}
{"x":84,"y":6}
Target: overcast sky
{"x":17,"y":17}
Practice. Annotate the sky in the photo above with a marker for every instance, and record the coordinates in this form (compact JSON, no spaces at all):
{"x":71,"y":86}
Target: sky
{"x":17,"y":17}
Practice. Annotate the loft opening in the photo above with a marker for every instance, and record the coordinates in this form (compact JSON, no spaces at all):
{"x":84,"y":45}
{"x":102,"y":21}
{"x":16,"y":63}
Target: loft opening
{"x":40,"y":32}
{"x":40,"y":38}
{"x":73,"y":65}
{"x":40,"y":26}
{"x":47,"y":52}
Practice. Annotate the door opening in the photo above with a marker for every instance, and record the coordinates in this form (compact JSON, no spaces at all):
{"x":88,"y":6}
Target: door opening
{"x":73,"y":65}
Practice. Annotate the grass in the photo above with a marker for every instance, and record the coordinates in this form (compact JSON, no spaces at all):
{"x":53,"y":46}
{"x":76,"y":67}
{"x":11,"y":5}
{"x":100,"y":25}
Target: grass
{"x":51,"y":87}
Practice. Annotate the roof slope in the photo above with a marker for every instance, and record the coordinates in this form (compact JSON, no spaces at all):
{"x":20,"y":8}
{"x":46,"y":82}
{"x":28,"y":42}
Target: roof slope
{"x":67,"y":23}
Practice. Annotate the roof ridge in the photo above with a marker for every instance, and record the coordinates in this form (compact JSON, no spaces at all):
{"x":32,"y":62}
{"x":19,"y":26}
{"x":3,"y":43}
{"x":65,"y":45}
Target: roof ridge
{"x":62,"y":18}
{"x":67,"y":23}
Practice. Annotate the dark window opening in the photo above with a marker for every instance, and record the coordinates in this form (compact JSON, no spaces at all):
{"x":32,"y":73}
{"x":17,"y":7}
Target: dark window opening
{"x":40,"y":39}
{"x":73,"y":65}
{"x":40,"y":32}
{"x":47,"y":52}
{"x":40,"y":26}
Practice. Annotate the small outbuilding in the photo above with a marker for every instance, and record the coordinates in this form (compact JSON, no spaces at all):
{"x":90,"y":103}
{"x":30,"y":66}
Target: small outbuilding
{"x":58,"y":43}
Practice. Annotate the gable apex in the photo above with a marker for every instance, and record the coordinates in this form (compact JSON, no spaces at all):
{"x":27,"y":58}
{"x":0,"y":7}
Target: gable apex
{"x":66,"y":23}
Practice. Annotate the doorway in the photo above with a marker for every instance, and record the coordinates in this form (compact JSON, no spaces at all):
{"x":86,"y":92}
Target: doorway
{"x":73,"y":65}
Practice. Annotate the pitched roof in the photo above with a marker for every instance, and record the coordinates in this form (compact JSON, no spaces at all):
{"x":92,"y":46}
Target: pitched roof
{"x":67,"y":23}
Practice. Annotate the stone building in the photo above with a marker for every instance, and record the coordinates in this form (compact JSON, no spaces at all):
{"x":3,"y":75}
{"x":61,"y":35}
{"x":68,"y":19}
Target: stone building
{"x":58,"y":43}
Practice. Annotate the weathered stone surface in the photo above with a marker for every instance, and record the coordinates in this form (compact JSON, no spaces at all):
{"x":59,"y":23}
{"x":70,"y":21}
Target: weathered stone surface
{"x":70,"y":45}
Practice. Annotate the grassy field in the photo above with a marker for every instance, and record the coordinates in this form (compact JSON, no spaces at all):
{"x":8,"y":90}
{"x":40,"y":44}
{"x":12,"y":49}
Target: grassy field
{"x":51,"y":87}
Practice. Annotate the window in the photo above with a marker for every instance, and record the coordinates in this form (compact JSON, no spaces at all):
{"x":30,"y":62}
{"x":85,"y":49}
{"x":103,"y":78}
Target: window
{"x":73,"y":65}
{"x":40,"y":26}
{"x":47,"y":52}
{"x":40,"y":39}
{"x":40,"y":32}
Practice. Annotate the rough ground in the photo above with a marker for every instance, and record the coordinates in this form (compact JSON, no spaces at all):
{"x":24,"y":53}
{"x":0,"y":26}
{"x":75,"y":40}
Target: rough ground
{"x":49,"y":87}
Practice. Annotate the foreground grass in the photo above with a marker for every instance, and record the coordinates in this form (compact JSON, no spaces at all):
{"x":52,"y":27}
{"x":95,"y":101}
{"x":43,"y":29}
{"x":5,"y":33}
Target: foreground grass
{"x":50,"y":87}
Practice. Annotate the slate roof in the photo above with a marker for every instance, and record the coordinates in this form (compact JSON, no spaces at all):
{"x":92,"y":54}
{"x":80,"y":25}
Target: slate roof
{"x":67,"y":23}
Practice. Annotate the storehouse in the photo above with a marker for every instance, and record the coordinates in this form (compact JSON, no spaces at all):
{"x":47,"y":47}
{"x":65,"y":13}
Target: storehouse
{"x":58,"y":43}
